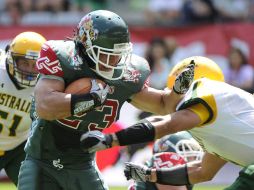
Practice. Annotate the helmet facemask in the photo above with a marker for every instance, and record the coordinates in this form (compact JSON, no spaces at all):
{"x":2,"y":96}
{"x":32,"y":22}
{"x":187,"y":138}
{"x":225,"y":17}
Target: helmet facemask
{"x":181,"y":143}
{"x":189,"y":149}
{"x":22,"y":77}
{"x":121,"y":53}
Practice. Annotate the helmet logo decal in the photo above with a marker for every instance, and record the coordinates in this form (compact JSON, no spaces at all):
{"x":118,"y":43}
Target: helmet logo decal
{"x":163,"y":147}
{"x":167,"y":160}
{"x":86,"y":31}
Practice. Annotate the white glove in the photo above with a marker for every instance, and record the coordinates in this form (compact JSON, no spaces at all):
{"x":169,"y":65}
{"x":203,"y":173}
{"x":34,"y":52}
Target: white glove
{"x":137,"y":172}
{"x":99,"y":92}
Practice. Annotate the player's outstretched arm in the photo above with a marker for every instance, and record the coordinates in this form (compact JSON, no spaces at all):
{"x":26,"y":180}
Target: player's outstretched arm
{"x":164,"y":101}
{"x":146,"y":130}
{"x":93,"y":141}
{"x":177,"y":175}
{"x":190,"y":173}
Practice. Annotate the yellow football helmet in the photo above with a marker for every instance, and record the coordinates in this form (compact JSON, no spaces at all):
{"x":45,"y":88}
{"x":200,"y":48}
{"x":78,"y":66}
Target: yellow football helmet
{"x":21,"y":58}
{"x":204,"y":67}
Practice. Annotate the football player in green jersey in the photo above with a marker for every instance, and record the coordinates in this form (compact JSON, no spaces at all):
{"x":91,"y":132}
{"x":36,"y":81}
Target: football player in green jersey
{"x":17,"y":80}
{"x":169,"y":151}
{"x":100,"y":49}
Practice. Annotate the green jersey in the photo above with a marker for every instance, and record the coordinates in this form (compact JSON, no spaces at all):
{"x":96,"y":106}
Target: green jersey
{"x":59,"y":139}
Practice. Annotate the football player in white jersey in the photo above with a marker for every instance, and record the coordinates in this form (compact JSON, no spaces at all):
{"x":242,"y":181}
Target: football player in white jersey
{"x":17,"y":79}
{"x":219,"y":116}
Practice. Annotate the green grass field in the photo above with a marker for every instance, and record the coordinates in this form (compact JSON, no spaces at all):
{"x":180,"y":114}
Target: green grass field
{"x":8,"y":186}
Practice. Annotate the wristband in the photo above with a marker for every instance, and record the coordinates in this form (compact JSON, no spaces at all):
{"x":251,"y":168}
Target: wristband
{"x":177,"y":176}
{"x":82,"y":103}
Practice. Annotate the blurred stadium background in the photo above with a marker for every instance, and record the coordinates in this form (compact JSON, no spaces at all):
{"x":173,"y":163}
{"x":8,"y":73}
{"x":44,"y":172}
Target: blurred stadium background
{"x":163,"y":31}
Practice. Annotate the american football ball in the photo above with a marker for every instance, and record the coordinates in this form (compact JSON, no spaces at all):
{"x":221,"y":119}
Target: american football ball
{"x":81,"y":86}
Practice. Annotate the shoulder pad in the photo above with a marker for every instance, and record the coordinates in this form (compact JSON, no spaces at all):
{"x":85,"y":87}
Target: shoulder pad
{"x":137,"y":72}
{"x":139,"y":63}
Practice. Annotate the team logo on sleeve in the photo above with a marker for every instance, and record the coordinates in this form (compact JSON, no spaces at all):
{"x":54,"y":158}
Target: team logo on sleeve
{"x":48,"y":62}
{"x":76,"y":62}
{"x":51,"y":67}
{"x":132,"y":76}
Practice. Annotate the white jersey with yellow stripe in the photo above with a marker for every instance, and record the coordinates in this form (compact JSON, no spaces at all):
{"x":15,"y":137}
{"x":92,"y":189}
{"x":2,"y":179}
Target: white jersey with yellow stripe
{"x":14,"y":110}
{"x":229,"y":130}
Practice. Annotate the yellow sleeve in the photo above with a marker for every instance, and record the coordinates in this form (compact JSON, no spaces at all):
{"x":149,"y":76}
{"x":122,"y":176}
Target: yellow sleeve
{"x":201,"y":111}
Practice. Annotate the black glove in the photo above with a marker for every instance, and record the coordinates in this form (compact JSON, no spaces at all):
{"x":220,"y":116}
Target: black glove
{"x":137,"y":172}
{"x":93,"y":141}
{"x":184,"y":79}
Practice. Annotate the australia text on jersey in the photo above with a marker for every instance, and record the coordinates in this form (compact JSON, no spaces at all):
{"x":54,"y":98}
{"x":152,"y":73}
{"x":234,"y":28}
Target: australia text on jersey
{"x":14,"y":102}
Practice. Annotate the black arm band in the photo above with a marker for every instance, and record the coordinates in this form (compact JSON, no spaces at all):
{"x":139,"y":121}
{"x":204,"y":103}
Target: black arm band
{"x":82,"y":103}
{"x":173,"y":176}
{"x":139,"y":133}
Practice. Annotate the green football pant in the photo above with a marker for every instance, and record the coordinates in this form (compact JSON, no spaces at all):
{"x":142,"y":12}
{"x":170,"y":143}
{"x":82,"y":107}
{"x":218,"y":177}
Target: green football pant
{"x":245,"y":180}
{"x":40,"y":175}
{"x":11,"y":161}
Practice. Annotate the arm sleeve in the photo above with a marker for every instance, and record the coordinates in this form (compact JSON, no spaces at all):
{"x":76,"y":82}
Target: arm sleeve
{"x":201,"y":111}
{"x":48,"y":63}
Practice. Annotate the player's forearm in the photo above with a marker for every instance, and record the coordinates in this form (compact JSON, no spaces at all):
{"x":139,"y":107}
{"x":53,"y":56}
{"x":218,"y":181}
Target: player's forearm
{"x":58,"y":105}
{"x":153,"y":128}
{"x":170,"y":101}
{"x":141,"y":132}
{"x":55,"y":105}
{"x":163,"y":101}
{"x":196,"y":175}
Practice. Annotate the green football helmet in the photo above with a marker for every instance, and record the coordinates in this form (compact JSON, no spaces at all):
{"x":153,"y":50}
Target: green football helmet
{"x":104,"y":33}
{"x":181,"y":143}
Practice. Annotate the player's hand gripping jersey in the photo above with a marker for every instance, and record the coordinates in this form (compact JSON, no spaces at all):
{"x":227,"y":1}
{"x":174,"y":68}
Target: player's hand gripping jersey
{"x":58,"y":60}
{"x":227,"y":115}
